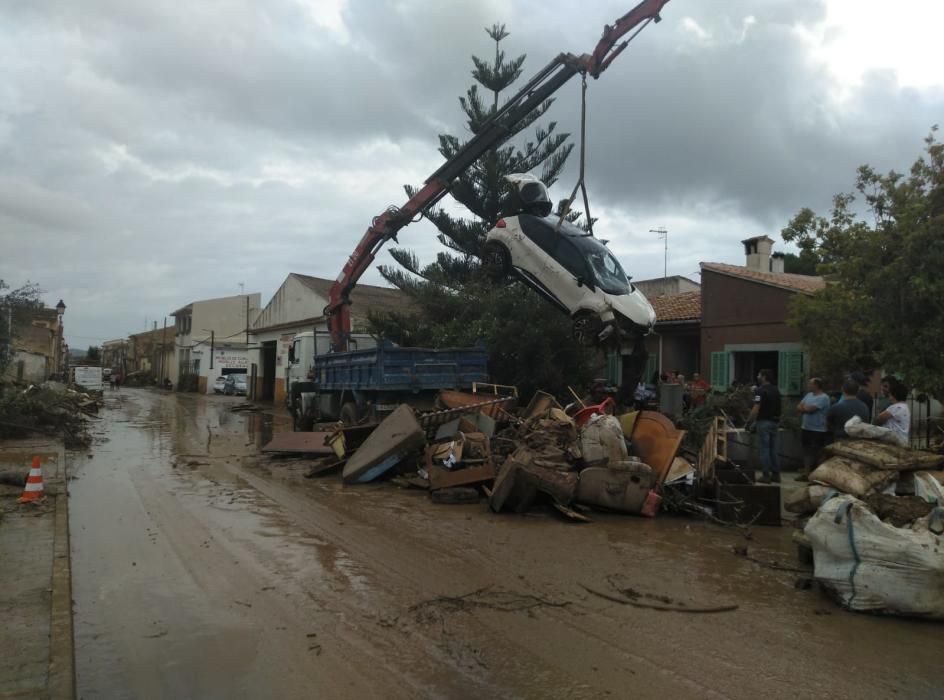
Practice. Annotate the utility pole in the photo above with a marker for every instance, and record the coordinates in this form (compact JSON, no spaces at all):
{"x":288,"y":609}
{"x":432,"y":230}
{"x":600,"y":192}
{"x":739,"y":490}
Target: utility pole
{"x":163,"y":336}
{"x":212,"y":346}
{"x":663,"y":235}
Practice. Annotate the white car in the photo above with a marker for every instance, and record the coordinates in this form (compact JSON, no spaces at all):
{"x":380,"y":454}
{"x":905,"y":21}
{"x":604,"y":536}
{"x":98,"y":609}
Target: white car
{"x":219,"y":385}
{"x":568,"y":266}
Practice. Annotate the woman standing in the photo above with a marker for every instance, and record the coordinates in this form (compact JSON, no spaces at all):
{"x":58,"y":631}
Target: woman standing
{"x":813,"y":407}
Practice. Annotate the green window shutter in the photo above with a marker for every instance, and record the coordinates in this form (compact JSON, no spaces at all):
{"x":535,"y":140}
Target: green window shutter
{"x":790,"y":373}
{"x":720,"y":370}
{"x":613,"y":368}
{"x":652,"y":366}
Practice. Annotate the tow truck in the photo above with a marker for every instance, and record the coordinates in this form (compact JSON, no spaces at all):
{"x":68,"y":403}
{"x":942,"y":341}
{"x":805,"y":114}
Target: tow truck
{"x":303,"y":395}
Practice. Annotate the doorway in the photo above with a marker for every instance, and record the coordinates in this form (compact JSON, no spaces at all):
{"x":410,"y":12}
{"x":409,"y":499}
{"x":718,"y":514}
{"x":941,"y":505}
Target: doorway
{"x":268,"y":370}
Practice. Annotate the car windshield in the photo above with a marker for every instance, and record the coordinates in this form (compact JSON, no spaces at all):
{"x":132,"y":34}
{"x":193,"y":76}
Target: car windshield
{"x":607,"y":272}
{"x":239,"y":379}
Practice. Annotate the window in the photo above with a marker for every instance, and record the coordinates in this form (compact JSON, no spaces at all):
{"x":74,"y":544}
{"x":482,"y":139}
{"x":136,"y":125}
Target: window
{"x":608,"y":272}
{"x":571,"y":259}
{"x":720,"y":370}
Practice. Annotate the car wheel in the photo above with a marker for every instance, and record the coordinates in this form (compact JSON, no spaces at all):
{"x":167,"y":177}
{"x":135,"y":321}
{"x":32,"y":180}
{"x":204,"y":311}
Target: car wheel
{"x":587,"y":327}
{"x":496,"y":261}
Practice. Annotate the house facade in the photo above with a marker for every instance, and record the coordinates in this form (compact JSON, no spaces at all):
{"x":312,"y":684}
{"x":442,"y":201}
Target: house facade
{"x":201,"y":329}
{"x":674,"y":344}
{"x":37,"y":346}
{"x":298,"y":307}
{"x":152,"y":352}
{"x":744,"y":320}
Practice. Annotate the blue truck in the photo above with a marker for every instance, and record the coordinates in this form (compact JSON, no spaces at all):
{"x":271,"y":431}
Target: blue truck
{"x":369,"y":383}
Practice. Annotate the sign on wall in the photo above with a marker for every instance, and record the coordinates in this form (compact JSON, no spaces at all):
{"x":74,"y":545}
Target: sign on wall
{"x":231,"y":360}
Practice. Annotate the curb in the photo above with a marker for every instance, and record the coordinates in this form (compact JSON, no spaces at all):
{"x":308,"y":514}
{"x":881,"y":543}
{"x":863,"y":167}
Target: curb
{"x":61,"y":639}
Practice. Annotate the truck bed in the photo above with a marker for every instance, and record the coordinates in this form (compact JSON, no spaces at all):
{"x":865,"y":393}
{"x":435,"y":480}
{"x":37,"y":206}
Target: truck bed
{"x":390,"y":368}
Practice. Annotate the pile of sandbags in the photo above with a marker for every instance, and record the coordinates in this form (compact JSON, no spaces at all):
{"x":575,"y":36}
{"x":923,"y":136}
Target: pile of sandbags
{"x":876,"y":528}
{"x":862,"y":468}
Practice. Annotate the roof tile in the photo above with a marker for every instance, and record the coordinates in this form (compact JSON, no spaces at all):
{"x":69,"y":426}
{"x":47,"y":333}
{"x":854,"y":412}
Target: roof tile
{"x":672,"y":308}
{"x":807,"y":284}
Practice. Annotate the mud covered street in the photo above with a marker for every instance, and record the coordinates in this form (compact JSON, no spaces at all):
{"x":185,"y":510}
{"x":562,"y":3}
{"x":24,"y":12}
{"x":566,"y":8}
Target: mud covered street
{"x":202,"y":569}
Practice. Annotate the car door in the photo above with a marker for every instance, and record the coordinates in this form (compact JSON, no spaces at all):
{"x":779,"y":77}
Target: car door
{"x":569,"y":276}
{"x":535,"y":259}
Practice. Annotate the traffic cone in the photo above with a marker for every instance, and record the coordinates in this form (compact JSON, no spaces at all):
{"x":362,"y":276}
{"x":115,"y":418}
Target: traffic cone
{"x":34,"y":484}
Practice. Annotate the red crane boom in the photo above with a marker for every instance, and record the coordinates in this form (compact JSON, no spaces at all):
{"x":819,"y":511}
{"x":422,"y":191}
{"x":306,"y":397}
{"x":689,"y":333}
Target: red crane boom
{"x":492,"y":134}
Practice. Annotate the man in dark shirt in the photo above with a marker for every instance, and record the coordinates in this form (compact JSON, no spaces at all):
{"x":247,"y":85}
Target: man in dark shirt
{"x":843,"y":410}
{"x":862,"y":393}
{"x":765,"y":415}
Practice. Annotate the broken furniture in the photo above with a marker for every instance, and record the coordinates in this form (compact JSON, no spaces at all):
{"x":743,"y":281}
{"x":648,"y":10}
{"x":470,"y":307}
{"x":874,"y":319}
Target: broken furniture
{"x":396,"y":437}
{"x":656,"y":441}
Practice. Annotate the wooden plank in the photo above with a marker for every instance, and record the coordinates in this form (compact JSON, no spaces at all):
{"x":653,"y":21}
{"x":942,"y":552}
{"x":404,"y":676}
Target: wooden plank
{"x":299,"y":443}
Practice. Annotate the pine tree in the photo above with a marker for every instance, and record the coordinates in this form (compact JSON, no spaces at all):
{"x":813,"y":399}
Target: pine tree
{"x":530,"y":343}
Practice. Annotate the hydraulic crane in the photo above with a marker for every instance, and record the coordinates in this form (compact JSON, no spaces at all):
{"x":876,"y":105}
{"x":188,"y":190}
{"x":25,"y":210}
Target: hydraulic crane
{"x":491,"y":135}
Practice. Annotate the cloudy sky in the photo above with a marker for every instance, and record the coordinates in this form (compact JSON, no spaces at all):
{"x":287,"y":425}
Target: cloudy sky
{"x":153,"y":153}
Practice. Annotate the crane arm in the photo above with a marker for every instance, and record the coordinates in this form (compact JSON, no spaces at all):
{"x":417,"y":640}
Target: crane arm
{"x":490,"y":135}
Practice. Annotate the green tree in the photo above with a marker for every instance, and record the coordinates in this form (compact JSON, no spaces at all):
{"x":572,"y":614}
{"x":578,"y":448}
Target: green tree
{"x":93,"y":354}
{"x":803,"y":264}
{"x":453,"y":301}
{"x":16,"y":307}
{"x":884,"y":304}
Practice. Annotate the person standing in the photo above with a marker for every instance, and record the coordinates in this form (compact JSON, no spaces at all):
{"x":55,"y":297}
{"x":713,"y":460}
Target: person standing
{"x":700,"y":389}
{"x":840,"y":412}
{"x":765,"y":416}
{"x":813,"y":407}
{"x":863,"y":394}
{"x":884,"y":399}
{"x":897,"y":417}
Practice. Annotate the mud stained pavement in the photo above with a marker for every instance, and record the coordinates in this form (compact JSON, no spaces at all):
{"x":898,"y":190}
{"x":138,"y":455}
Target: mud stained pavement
{"x":203,"y":570}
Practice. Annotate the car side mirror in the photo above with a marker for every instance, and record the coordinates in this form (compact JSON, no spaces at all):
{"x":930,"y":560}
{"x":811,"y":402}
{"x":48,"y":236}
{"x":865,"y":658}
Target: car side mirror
{"x":291,"y":353}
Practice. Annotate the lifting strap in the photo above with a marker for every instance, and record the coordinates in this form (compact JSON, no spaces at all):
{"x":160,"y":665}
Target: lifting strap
{"x":583,"y":159}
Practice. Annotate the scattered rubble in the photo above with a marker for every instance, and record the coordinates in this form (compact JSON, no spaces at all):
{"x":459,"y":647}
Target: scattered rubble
{"x":49,"y":411}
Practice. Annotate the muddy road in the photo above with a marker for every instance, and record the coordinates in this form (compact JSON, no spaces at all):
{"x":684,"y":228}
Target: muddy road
{"x":203,"y":570}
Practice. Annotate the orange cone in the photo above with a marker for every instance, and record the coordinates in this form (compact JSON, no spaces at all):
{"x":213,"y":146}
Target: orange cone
{"x":34,"y":484}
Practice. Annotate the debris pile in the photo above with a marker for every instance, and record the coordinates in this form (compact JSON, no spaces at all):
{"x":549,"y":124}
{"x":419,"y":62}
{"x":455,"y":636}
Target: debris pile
{"x":875,"y":524}
{"x":480,"y":446}
{"x":41,"y":410}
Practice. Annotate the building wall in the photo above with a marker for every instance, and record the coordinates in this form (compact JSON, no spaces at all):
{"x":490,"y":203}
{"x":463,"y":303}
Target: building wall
{"x":28,"y":366}
{"x":226,"y":360}
{"x":665,"y":286}
{"x":226,"y":317}
{"x":291,"y":303}
{"x":678,"y":351}
{"x":740,"y":312}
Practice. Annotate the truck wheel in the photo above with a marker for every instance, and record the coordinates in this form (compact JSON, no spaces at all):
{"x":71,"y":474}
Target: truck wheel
{"x":349,"y":413}
{"x":497,"y":261}
{"x":304,"y":422}
{"x":587,"y":327}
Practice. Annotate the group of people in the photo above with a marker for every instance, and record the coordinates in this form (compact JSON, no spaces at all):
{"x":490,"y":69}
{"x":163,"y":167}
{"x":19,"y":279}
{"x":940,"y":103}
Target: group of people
{"x":694,"y":392}
{"x":824,"y":420}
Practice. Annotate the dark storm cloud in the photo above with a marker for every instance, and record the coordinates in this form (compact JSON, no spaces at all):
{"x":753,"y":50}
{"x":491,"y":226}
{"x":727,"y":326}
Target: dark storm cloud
{"x":155,"y":153}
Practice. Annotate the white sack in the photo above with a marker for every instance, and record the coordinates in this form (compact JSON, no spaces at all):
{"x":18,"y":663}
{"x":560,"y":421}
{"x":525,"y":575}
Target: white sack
{"x":875,"y":567}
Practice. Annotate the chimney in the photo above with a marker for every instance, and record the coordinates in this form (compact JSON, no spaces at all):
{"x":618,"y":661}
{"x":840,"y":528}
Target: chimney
{"x":776,"y":262}
{"x":757,"y":251}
